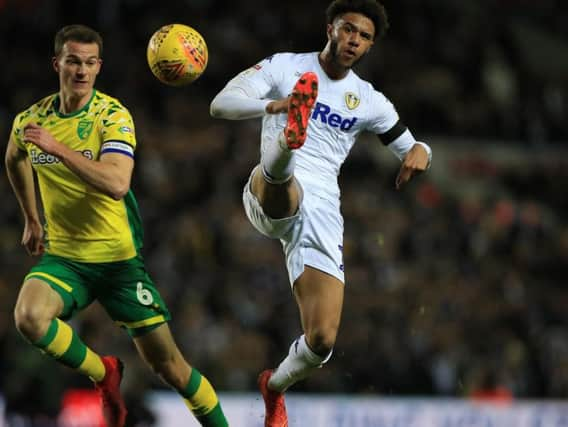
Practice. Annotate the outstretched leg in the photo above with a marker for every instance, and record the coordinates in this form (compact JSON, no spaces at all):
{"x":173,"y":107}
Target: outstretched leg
{"x":302,"y":100}
{"x":161,"y":353}
{"x":273,"y":183}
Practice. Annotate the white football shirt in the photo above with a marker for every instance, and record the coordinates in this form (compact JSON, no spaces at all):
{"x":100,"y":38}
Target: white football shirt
{"x":344,"y":108}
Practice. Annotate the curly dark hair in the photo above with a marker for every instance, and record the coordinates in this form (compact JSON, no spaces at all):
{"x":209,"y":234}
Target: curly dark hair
{"x":372,"y":9}
{"x":77,"y":33}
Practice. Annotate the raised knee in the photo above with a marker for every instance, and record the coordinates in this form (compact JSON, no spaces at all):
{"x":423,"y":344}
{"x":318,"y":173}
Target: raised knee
{"x":321,"y":340}
{"x":31,"y":321}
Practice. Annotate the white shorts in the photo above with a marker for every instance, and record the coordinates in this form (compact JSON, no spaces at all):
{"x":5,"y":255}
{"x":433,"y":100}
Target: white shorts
{"x":313,"y":237}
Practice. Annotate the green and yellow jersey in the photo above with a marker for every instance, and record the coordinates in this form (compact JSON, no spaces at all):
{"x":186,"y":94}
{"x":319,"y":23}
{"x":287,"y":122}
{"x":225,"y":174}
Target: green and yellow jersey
{"x":82,"y":223}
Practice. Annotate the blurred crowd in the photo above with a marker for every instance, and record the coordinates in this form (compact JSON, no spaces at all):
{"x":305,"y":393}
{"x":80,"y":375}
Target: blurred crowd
{"x":455,"y":284}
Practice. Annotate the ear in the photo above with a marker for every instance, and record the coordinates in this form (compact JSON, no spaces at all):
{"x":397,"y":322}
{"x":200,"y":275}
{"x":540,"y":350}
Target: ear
{"x":329,"y":31}
{"x":100,"y":61}
{"x":55,"y":64}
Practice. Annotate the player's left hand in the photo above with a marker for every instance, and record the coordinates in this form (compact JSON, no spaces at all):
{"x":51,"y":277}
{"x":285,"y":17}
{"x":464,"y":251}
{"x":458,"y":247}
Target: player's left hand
{"x":41,"y":138}
{"x":32,"y":237}
{"x":416,"y":161}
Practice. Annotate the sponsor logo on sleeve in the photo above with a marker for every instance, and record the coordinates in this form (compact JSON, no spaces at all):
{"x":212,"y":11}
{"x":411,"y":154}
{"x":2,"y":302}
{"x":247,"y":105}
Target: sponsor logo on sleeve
{"x":125,"y":129}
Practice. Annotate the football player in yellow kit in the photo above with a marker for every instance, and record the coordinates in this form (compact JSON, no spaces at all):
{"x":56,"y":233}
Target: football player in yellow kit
{"x":81,"y":143}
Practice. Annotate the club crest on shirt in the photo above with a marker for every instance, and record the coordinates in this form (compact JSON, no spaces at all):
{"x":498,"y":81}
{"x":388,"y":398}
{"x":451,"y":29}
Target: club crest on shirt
{"x":351,"y":100}
{"x":84,"y":128}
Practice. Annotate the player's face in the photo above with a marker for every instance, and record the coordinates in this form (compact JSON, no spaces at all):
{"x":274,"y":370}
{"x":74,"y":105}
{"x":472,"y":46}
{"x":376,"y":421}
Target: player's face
{"x":78,"y":65}
{"x":351,"y":36}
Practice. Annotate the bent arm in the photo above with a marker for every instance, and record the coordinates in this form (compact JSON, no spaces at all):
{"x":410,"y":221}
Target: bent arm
{"x":404,"y":143}
{"x":245,"y":96}
{"x":111,"y":174}
{"x":415,"y":156}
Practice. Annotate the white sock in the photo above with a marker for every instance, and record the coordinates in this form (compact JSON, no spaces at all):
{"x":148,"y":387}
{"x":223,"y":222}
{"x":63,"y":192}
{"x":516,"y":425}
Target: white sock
{"x":299,"y":364}
{"x":278,"y":161}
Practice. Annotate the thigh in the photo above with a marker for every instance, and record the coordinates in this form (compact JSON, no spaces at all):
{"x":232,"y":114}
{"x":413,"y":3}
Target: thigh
{"x":320,"y":299}
{"x":277,"y":200}
{"x":316,"y":240}
{"x":275,"y":228}
{"x":128,"y":294}
{"x":38,"y":297}
{"x":65,"y":278}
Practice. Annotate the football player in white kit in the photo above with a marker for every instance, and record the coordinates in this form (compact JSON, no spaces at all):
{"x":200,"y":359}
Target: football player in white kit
{"x":313,"y":108}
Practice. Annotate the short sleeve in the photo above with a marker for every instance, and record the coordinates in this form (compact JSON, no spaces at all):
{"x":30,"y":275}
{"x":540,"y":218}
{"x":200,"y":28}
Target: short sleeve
{"x":17,"y":130}
{"x":117,"y":131}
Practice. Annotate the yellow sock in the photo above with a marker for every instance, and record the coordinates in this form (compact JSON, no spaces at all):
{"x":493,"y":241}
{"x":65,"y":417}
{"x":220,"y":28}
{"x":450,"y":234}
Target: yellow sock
{"x":63,"y":344}
{"x":201,"y":399}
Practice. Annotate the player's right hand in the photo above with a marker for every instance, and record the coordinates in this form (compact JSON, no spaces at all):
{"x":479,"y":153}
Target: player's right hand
{"x":41,"y":138}
{"x":32,"y":238}
{"x":278,"y":106}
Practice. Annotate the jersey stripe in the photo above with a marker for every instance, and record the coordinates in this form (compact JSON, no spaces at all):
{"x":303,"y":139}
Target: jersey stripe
{"x":51,"y":279}
{"x":146,"y":322}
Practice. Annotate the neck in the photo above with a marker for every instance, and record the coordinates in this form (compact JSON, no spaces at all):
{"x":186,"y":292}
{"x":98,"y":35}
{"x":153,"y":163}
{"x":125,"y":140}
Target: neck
{"x":329,"y":64}
{"x":69,"y":103}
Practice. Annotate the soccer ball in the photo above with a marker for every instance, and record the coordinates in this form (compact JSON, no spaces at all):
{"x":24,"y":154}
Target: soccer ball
{"x":177,"y":54}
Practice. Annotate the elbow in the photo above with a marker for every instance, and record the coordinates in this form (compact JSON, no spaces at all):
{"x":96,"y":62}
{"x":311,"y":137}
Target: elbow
{"x":222,"y":107}
{"x":118,"y":195}
{"x":216,"y":111}
{"x":118,"y":192}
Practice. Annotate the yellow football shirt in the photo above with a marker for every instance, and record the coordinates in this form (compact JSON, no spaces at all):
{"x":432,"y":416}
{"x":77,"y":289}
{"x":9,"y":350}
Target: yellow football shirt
{"x":82,"y":223}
